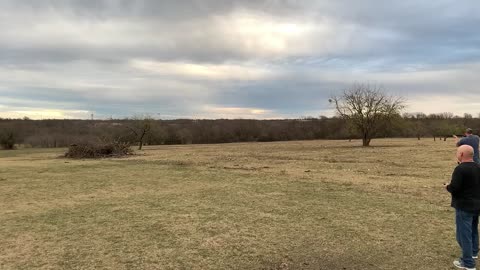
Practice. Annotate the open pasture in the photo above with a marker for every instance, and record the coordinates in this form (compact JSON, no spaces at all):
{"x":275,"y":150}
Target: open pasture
{"x":282,"y":205}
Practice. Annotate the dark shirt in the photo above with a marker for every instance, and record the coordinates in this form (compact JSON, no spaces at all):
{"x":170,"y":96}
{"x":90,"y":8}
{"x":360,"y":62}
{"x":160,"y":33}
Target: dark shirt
{"x":473,"y":141}
{"x":465,"y":187}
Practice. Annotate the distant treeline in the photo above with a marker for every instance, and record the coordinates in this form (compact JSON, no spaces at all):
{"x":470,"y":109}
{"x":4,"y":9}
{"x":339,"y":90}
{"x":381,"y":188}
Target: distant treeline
{"x":62,"y":133}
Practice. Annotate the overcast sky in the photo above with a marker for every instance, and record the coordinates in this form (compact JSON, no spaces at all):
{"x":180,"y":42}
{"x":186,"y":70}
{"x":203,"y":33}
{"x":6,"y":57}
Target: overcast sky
{"x":233,"y":59}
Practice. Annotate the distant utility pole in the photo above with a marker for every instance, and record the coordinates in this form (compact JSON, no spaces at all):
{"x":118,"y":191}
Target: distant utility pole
{"x":92,"y":116}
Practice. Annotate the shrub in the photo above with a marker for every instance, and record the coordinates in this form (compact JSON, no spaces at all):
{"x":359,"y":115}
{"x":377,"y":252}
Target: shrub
{"x":7,"y":140}
{"x":98,"y":150}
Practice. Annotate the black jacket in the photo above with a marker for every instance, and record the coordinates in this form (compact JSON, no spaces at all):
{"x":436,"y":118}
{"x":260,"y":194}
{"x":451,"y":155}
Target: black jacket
{"x":465,"y":187}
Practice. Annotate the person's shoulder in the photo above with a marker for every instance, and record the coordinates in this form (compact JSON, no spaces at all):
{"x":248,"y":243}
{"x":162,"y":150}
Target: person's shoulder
{"x":473,"y":164}
{"x":460,"y":167}
{"x":466,"y":166}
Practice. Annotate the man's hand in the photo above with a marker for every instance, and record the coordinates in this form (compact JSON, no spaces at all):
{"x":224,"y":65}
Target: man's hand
{"x":456,"y":139}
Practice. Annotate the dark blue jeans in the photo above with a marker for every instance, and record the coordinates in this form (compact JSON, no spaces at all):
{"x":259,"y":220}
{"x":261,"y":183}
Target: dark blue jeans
{"x":467,"y":235}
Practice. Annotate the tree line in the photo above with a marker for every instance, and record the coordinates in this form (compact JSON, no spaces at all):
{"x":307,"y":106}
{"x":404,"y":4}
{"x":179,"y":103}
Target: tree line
{"x":62,"y":133}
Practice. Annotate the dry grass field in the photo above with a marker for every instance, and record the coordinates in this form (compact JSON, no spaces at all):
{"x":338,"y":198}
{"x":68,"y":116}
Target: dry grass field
{"x":283,"y":205}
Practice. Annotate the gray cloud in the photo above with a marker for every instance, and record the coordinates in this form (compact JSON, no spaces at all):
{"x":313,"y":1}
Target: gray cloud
{"x":187,"y":58}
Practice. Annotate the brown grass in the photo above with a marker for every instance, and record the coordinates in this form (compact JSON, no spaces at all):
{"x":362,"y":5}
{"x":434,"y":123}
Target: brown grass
{"x":294,"y":205}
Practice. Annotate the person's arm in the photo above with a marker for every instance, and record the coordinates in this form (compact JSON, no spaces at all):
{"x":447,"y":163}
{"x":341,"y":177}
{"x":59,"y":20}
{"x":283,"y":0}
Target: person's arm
{"x":459,"y":142}
{"x":456,"y":184}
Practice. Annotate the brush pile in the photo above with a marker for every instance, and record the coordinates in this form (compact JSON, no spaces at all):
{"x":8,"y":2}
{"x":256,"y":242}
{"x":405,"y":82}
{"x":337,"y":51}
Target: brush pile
{"x":99,"y":150}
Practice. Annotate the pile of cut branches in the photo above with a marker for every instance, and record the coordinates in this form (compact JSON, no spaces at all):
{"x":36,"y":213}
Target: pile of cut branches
{"x":99,"y":150}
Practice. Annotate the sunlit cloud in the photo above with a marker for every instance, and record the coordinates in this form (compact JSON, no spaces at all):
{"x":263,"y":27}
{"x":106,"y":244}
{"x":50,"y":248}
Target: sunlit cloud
{"x":203,"y":71}
{"x":237,"y":112}
{"x":39,"y":114}
{"x":265,"y":34}
{"x":458,"y":104}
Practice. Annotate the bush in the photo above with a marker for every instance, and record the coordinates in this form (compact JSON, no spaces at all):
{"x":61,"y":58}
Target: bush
{"x":7,"y":140}
{"x":98,"y":150}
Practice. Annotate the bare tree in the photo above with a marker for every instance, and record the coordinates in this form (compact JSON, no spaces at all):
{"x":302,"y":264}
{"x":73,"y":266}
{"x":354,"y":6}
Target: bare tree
{"x":140,"y":127}
{"x":367,"y":108}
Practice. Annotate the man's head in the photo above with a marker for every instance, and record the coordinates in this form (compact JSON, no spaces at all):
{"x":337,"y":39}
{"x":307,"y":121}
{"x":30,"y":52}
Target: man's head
{"x":468,"y":132}
{"x":465,"y":153}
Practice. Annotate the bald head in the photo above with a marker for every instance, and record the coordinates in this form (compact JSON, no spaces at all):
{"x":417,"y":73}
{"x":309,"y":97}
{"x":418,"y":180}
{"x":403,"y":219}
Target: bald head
{"x":465,"y":153}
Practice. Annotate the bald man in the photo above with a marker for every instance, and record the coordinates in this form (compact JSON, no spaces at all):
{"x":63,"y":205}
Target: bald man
{"x":465,"y":190}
